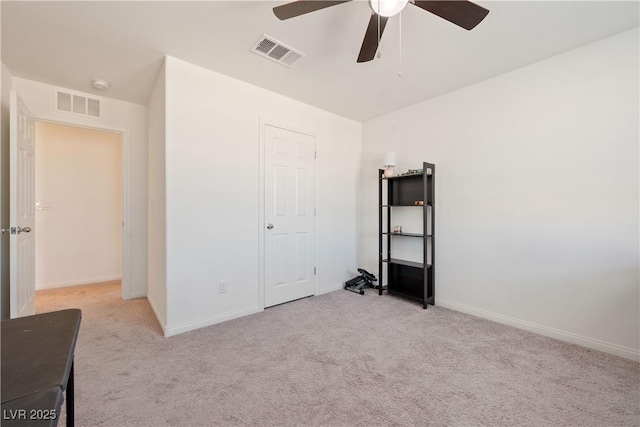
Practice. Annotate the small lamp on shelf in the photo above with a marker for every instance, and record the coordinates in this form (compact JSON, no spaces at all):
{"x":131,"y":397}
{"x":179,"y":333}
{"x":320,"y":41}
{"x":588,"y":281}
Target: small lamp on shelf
{"x":389,"y":163}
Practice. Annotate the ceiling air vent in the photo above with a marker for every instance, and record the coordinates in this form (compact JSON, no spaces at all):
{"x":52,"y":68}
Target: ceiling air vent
{"x":77,"y":103}
{"x":276,"y":51}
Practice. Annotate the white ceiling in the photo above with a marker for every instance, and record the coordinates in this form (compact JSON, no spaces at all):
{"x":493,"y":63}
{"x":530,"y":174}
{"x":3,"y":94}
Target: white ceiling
{"x":69,"y":43}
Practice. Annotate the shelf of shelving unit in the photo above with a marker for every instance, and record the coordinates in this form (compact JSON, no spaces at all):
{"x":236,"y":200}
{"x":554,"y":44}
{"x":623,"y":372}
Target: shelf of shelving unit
{"x":405,"y":262}
{"x":409,"y":278}
{"x":405,"y":234}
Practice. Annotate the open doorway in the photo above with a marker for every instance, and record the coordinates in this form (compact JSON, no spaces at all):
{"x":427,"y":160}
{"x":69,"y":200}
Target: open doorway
{"x":78,"y":193}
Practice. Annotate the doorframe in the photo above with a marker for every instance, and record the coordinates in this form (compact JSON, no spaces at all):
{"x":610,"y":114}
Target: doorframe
{"x":269,"y":121}
{"x":125,"y":205}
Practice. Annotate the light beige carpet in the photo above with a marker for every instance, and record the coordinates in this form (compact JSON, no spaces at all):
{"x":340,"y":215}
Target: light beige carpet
{"x":338,"y":359}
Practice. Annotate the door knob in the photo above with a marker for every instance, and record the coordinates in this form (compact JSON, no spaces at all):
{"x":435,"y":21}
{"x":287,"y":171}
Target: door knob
{"x":269,"y":226}
{"x":24,"y":230}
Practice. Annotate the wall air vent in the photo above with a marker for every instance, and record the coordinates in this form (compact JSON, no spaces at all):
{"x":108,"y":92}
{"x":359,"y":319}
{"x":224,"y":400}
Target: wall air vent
{"x":79,"y":104}
{"x":276,"y":51}
{"x":76,"y":103}
{"x":93,"y":107}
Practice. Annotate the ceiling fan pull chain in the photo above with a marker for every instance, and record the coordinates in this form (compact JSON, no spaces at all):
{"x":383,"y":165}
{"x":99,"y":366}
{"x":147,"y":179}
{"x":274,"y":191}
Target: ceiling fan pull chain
{"x":378,"y":55}
{"x":400,"y":43}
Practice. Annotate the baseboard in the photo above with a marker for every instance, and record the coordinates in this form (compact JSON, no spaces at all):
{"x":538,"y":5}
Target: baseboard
{"x":190,"y":326}
{"x":618,"y":350}
{"x":140,"y":295}
{"x":327,"y":290}
{"x":161,"y":321}
{"x":66,"y":283}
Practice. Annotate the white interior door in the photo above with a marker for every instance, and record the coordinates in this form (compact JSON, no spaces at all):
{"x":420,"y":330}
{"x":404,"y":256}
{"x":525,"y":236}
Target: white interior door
{"x":21,"y":209}
{"x":289,"y":215}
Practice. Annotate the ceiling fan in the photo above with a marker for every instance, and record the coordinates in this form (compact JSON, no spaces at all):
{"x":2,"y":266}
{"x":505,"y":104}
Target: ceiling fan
{"x":463,"y":13}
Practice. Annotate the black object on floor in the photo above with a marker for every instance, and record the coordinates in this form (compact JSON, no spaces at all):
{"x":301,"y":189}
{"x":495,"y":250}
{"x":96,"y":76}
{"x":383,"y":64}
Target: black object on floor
{"x":358,"y":284}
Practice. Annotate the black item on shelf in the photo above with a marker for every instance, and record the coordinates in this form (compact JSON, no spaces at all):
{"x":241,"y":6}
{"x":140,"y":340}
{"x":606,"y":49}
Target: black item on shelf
{"x":358,"y":284}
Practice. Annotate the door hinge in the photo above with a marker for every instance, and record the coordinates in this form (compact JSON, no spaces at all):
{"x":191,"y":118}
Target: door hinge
{"x":314,"y":271}
{"x":315,"y":154}
{"x":314,"y":211}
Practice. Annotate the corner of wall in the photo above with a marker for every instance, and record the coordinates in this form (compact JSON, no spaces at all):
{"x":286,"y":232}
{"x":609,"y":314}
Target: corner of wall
{"x":162,"y":321}
{"x":156,"y":206}
{"x":6,"y":85}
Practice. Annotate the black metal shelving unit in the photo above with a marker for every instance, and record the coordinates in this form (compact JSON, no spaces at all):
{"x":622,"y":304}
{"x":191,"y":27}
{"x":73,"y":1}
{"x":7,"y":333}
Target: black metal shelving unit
{"x":409,"y":278}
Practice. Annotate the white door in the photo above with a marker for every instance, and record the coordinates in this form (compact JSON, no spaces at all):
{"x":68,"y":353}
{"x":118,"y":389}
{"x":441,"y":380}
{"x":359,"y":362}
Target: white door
{"x":289,"y":215}
{"x":22,"y":286}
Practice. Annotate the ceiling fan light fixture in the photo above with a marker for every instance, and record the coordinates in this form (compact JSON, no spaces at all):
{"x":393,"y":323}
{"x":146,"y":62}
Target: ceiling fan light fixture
{"x":387,"y":7}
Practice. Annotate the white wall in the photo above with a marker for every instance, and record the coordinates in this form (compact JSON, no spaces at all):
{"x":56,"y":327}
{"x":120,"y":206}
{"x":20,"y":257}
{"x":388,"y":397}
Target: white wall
{"x":157,"y":292}
{"x":78,"y":205}
{"x":212,"y":193}
{"x":537,"y":194}
{"x":6,"y":85}
{"x":130,"y":119}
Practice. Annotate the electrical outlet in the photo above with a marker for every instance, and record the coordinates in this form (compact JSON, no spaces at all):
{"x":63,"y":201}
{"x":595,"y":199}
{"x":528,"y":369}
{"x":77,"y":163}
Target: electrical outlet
{"x":222,"y":286}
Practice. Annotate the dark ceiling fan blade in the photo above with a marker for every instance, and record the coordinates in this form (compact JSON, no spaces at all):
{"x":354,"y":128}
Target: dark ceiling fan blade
{"x":460,"y":12}
{"x":370,"y":42}
{"x":300,"y":7}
